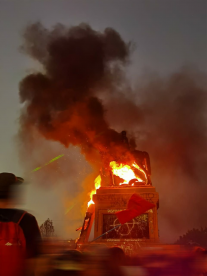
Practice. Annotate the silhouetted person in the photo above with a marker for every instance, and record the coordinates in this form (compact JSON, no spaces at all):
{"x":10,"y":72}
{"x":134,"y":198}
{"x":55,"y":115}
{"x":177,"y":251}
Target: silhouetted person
{"x":19,"y":232}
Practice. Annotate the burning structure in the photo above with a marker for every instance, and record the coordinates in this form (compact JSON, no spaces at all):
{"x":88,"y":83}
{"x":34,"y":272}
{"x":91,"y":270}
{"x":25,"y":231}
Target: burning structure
{"x":64,"y":103}
{"x":113,"y":188}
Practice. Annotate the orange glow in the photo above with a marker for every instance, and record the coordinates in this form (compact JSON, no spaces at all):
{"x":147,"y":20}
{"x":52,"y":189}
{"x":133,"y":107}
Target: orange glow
{"x":97,"y":183}
{"x":125,"y":172}
{"x":137,"y":167}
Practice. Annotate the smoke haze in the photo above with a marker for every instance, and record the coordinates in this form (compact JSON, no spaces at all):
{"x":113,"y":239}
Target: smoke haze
{"x":171,"y":126}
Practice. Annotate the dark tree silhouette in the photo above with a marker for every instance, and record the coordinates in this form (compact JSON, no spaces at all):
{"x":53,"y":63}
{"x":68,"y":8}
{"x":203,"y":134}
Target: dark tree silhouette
{"x":47,"y":229}
{"x":194,"y":237}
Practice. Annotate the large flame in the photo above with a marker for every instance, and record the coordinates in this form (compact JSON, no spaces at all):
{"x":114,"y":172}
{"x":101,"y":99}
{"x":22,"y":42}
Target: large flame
{"x":125,"y":171}
{"x":97,"y":183}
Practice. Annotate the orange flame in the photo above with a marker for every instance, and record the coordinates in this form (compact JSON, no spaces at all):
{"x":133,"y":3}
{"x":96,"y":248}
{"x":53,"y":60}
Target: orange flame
{"x":125,"y":172}
{"x":97,"y":183}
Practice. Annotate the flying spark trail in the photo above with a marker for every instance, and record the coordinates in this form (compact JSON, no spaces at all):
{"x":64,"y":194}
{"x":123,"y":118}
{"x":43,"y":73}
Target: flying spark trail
{"x":71,"y":207}
{"x":52,"y":160}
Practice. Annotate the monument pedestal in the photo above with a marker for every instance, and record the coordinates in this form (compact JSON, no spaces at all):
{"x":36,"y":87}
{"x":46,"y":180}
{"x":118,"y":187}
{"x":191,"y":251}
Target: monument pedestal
{"x":139,"y":232}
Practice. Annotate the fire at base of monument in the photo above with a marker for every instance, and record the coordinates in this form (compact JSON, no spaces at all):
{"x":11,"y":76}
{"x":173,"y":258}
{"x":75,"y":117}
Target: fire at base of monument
{"x":113,"y":188}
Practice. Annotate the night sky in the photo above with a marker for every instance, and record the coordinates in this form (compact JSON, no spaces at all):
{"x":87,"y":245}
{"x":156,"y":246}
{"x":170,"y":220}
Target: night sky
{"x":167,"y":35}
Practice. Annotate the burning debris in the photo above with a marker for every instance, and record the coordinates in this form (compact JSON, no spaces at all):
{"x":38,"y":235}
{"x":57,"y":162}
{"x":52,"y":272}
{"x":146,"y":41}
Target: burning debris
{"x":129,"y":175}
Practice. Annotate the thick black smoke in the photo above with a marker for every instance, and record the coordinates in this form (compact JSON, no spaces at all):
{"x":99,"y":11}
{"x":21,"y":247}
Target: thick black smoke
{"x":61,"y":102}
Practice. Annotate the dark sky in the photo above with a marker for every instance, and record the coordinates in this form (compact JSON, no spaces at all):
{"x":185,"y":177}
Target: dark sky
{"x":167,"y":34}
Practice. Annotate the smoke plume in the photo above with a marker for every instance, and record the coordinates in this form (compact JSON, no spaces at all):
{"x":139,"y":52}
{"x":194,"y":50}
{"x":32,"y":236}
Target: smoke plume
{"x":81,"y":98}
{"x":61,"y":102}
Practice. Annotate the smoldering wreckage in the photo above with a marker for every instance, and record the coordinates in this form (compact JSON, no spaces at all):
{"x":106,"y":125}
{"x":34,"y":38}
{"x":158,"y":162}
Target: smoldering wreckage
{"x":64,"y":102}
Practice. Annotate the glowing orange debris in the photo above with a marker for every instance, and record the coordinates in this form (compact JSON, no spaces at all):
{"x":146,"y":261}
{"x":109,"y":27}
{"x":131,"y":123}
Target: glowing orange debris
{"x":97,"y":183}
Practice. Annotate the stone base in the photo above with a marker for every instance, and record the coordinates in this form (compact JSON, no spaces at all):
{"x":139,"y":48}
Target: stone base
{"x":140,"y":232}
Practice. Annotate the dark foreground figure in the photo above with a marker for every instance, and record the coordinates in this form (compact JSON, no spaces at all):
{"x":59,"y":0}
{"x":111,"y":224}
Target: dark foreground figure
{"x":19,"y":232}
